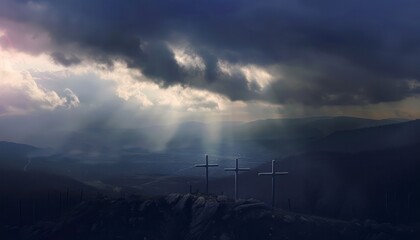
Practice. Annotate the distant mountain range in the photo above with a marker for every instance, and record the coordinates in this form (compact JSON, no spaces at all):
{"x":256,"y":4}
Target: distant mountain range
{"x":13,"y":149}
{"x":372,"y":138}
{"x":98,"y":152}
{"x":304,"y":128}
{"x":199,"y":137}
{"x":277,"y":135}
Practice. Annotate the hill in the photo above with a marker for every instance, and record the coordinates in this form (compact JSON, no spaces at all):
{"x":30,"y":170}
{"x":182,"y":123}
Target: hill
{"x":26,"y":197}
{"x":372,"y":138}
{"x":15,"y":155}
{"x":202,"y":217}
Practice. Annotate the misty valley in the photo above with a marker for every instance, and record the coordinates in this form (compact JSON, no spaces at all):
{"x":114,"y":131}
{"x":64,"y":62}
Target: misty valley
{"x":354,"y":178}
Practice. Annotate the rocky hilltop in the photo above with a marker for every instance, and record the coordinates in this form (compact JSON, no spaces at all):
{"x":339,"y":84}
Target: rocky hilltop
{"x":178,"y":216}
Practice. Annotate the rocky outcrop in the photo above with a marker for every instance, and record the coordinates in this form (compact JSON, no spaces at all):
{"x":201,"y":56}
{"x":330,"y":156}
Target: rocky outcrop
{"x":189,"y":217}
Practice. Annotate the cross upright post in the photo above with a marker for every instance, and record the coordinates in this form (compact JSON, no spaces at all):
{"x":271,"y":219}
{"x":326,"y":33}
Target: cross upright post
{"x":207,"y":165}
{"x":236,"y":170}
{"x":273,"y":175}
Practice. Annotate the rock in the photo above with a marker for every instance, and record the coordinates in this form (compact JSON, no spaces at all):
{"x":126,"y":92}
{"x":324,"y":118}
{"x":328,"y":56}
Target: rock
{"x":253,"y":205}
{"x":184,"y":203}
{"x":173,"y":198}
{"x":202,"y":212}
{"x":199,"y":202}
{"x":148,"y":205}
{"x":305,"y":219}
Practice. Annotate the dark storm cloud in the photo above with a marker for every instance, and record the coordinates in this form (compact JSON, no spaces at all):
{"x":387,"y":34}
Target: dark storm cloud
{"x":327,"y":52}
{"x":67,"y":61}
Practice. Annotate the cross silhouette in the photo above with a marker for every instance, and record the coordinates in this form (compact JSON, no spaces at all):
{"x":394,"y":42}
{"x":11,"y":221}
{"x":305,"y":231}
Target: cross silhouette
{"x":207,"y":165}
{"x":236,"y":170}
{"x":273,"y":175}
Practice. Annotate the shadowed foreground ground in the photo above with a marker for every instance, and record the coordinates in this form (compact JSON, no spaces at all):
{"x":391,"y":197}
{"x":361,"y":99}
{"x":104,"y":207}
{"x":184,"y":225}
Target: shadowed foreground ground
{"x":189,"y":216}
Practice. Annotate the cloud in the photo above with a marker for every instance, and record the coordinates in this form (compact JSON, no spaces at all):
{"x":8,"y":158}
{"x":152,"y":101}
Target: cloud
{"x":323,"y":53}
{"x":72,"y":100}
{"x":23,"y":37}
{"x":67,"y":61}
{"x":20,"y":94}
{"x":147,"y":94}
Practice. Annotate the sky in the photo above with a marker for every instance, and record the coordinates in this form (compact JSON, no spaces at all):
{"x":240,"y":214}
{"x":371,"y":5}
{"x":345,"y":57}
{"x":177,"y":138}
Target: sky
{"x":136,"y":63}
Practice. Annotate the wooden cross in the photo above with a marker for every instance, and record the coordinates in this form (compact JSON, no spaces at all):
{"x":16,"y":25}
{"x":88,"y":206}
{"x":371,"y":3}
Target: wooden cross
{"x":273,"y":175}
{"x":207,"y":165}
{"x":236,"y":170}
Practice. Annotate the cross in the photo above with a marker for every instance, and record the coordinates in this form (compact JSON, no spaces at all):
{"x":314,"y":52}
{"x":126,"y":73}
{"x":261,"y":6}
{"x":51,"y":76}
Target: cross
{"x":236,"y":170}
{"x":207,"y":165}
{"x":273,"y":175}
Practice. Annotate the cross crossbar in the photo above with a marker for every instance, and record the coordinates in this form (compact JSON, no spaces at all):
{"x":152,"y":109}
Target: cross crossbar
{"x":269,"y":173}
{"x":208,"y":165}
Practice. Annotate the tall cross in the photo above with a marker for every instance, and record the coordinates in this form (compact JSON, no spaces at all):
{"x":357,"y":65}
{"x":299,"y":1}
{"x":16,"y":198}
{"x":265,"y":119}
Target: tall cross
{"x":273,"y":175}
{"x":207,"y":165}
{"x":236,"y":170}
